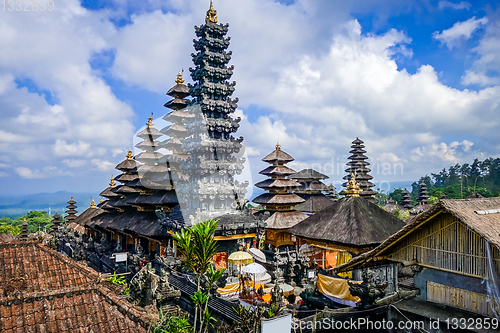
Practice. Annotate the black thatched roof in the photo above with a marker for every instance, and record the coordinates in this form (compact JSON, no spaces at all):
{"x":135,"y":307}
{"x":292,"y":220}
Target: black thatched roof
{"x":126,"y":177}
{"x":125,"y":189}
{"x":351,"y":221}
{"x":143,"y":223}
{"x":278,"y":199}
{"x":149,"y":132}
{"x":278,"y":183}
{"x":279,"y":170}
{"x":109,"y":193}
{"x":278,"y":155}
{"x":85,"y":217}
{"x":176,"y":103}
{"x":283,"y":220}
{"x":126,"y":165}
{"x":179,"y":90}
{"x":313,"y":202}
{"x":311,"y":186}
{"x":308,"y":174}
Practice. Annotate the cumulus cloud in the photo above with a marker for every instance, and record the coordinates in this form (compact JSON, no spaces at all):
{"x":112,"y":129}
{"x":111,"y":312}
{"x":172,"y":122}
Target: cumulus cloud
{"x":321,"y":103}
{"x":103,"y":165}
{"x":46,"y":172}
{"x":485,"y":70}
{"x":54,"y":106}
{"x":456,"y":6}
{"x":317,"y":80}
{"x":459,"y":32}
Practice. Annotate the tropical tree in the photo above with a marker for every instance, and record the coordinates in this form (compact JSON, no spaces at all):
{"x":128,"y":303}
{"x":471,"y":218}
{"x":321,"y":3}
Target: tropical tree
{"x":197,"y":246}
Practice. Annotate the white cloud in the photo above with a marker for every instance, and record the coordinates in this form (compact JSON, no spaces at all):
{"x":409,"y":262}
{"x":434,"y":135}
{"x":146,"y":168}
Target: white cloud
{"x":46,"y":172}
{"x":459,"y":32}
{"x":62,"y":148}
{"x":446,"y":152}
{"x":321,"y":103}
{"x":75,"y":163}
{"x":50,"y":52}
{"x":485,"y":70}
{"x":456,"y":6}
{"x":103,"y":165}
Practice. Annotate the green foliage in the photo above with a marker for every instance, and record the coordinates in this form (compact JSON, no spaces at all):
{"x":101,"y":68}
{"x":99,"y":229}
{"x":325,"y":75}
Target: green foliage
{"x":459,"y":181}
{"x":251,"y":319}
{"x":401,"y":214}
{"x":10,"y":230}
{"x":198,"y":246}
{"x":397,"y":195}
{"x":37,"y":221}
{"x":126,"y":291}
{"x":120,"y":279}
{"x":381,"y":196}
{"x":172,"y":324}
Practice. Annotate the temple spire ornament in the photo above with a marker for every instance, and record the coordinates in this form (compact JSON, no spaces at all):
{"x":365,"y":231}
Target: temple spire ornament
{"x":179,"y":79}
{"x":129,"y":155}
{"x":211,"y":14}
{"x":92,"y":204}
{"x":150,"y":121}
{"x":112,"y":183}
{"x":353,"y":189}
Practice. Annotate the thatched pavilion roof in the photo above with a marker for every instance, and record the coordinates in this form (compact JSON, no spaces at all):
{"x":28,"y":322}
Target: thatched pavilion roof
{"x":351,"y":221}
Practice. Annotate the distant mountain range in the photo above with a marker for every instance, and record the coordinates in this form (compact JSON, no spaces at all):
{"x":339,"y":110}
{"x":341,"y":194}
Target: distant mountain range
{"x":14,"y":206}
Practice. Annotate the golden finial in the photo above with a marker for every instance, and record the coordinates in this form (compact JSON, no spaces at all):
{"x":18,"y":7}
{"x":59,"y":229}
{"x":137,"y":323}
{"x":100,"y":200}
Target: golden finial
{"x":92,"y":204}
{"x":211,"y":14}
{"x":278,"y":147}
{"x":112,"y":183}
{"x":179,"y":79}
{"x":24,"y":219}
{"x":71,"y":198}
{"x":150,"y":121}
{"x":353,"y":189}
{"x":129,"y":154}
{"x":101,"y":201}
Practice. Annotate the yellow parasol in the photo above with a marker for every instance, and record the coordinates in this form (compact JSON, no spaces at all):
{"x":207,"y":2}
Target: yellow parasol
{"x":240,"y":258}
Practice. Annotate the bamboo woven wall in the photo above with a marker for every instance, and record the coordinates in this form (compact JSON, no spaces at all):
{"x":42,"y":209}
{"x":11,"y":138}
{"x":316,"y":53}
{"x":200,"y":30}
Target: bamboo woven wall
{"x":460,"y":298}
{"x":446,"y":243}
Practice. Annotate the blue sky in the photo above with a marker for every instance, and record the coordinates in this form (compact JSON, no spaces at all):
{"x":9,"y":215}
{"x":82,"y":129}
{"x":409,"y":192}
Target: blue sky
{"x":418,"y":81}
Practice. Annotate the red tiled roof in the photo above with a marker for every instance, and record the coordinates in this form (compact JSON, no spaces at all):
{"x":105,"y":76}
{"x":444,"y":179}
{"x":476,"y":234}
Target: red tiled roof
{"x":42,"y":290}
{"x":6,"y":238}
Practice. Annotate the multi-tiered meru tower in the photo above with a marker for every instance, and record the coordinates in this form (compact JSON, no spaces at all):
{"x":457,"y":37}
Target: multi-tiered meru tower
{"x":358,"y":165}
{"x":213,"y":152}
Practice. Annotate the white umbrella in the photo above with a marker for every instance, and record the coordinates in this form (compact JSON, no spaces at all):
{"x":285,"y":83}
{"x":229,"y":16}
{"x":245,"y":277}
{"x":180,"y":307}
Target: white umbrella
{"x":257,"y":254}
{"x":286,"y":288}
{"x":254,"y":269}
{"x":265,"y":278}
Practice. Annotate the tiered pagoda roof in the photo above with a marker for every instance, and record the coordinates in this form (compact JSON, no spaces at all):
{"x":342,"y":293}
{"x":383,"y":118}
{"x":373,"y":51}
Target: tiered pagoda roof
{"x":423,"y":200}
{"x":71,"y":212}
{"x":406,"y":200}
{"x":310,"y":190}
{"x":176,"y":131}
{"x":359,"y":166}
{"x":423,"y":196}
{"x":211,"y":165}
{"x":279,"y":201}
